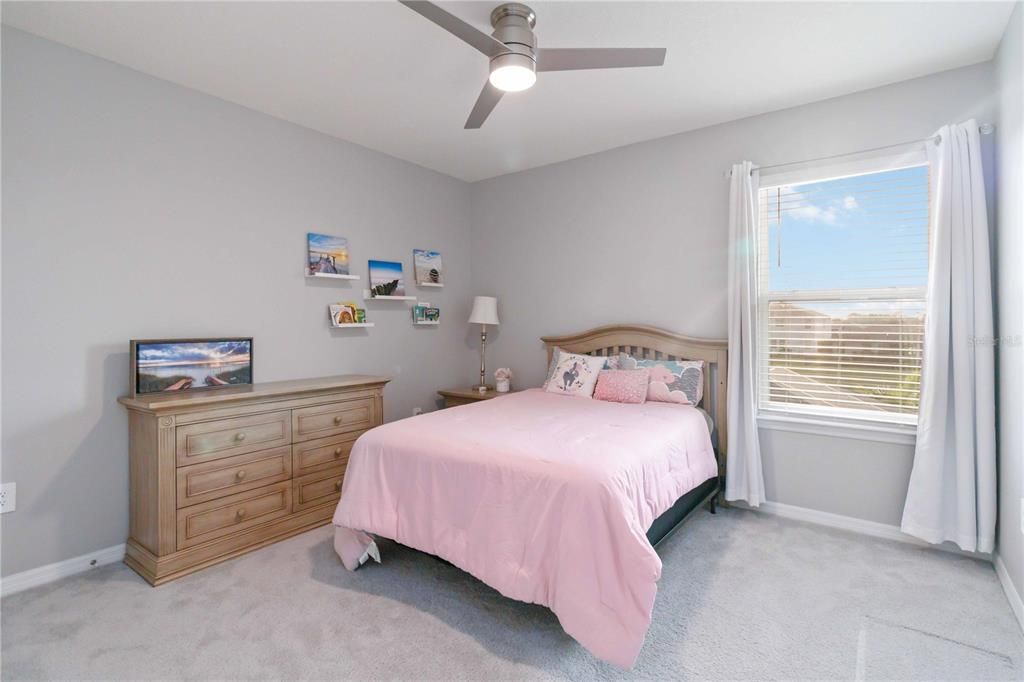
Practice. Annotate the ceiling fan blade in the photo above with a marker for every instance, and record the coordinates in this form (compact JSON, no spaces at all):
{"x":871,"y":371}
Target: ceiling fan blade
{"x":457,"y":27}
{"x":485,"y":104}
{"x":571,"y":59}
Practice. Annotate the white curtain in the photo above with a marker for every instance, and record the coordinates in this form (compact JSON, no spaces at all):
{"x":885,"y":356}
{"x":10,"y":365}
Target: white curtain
{"x":952,"y":494}
{"x":744,"y":479}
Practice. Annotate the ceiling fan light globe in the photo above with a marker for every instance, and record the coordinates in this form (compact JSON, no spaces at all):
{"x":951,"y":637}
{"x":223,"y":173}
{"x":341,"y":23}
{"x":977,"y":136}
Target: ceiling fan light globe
{"x":513,"y":78}
{"x":513,"y":72}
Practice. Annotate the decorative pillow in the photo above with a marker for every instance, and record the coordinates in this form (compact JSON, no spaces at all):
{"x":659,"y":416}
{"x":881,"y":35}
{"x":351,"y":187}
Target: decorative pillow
{"x":672,"y":381}
{"x":575,"y":374}
{"x":622,"y":385}
{"x":555,"y":353}
{"x":611,"y":362}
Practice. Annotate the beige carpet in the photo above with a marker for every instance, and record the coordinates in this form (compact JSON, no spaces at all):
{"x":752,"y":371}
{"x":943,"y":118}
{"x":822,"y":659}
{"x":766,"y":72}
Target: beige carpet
{"x":742,"y":596}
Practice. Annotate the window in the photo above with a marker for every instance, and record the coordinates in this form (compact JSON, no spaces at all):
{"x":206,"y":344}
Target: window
{"x":842,"y":275}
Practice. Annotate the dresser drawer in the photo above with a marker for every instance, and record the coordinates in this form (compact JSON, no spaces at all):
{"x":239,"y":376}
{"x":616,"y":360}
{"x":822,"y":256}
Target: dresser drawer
{"x":206,"y":441}
{"x":210,"y":480}
{"x":232,"y":514}
{"x":333,"y":419}
{"x":315,"y":489}
{"x":322,"y":453}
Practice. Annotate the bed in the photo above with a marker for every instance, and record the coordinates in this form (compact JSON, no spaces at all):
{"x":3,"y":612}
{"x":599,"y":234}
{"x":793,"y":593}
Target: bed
{"x":549,"y":499}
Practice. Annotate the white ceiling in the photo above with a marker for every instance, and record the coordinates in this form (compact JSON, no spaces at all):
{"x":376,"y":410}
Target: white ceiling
{"x":378,"y":74}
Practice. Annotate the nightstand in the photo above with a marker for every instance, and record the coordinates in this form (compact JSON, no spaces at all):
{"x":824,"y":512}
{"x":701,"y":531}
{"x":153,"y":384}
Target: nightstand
{"x":464,"y":396}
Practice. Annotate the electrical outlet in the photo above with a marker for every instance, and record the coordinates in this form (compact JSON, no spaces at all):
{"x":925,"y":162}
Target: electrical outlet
{"x":416,"y":411}
{"x":8,"y":497}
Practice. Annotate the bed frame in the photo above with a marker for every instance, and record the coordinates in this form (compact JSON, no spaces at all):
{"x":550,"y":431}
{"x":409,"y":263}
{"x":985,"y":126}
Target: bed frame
{"x":657,"y":344}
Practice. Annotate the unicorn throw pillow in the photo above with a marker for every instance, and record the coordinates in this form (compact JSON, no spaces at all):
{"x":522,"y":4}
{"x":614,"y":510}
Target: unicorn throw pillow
{"x":575,"y":374}
{"x":611,"y":362}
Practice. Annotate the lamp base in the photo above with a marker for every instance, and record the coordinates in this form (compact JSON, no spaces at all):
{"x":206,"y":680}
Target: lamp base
{"x":483,"y":388}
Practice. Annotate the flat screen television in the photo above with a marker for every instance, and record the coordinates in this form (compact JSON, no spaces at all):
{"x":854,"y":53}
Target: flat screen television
{"x":182,"y":365}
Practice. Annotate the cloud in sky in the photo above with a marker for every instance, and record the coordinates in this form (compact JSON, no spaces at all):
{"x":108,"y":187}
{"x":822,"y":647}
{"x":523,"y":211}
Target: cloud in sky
{"x":828,"y":214}
{"x":164,"y":353}
{"x":815,"y":213}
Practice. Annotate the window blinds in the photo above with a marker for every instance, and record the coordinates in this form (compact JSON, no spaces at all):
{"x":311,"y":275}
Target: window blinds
{"x":842,"y":275}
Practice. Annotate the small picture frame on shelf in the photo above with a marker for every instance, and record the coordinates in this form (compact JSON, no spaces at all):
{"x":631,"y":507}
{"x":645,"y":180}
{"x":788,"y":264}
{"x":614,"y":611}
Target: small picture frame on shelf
{"x":342,"y":314}
{"x":346,"y":313}
{"x":386,"y":278}
{"x":424,"y":313}
{"x":326,"y":255}
{"x":427,"y":268}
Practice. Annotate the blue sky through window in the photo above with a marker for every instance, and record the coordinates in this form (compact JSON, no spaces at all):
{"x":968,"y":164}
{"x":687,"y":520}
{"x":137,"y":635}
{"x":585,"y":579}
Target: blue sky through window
{"x":865,"y":231}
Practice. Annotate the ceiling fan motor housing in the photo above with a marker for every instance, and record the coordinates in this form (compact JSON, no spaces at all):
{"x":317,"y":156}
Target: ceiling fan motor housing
{"x":513,"y":25}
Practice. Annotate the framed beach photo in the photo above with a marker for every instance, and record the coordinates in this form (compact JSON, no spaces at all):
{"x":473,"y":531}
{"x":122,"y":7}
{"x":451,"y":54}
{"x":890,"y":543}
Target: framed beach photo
{"x":326,"y":255}
{"x":386,"y":278}
{"x":428,"y":268}
{"x":183,"y":365}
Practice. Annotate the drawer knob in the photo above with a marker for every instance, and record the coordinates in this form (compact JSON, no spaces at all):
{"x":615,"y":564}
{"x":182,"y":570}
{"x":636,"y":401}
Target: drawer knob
{"x":337,"y":452}
{"x":337,"y":420}
{"x":239,"y":437}
{"x":337,"y":485}
{"x":240,"y":514}
{"x":240,"y":475}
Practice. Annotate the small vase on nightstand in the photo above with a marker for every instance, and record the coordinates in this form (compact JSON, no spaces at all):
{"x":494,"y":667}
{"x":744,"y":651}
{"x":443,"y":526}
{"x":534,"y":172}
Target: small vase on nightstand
{"x":503,"y":380}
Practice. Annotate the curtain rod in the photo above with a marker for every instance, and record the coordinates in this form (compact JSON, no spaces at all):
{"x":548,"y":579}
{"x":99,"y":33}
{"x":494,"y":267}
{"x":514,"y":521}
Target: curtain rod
{"x":984,"y":129}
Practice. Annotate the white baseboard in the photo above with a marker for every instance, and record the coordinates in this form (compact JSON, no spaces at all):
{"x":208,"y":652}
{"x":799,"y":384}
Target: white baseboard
{"x":62,"y":569}
{"x":1011,"y":591}
{"x":855,"y":525}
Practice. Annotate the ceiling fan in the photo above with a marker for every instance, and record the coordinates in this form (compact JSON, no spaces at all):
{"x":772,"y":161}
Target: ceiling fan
{"x":515,"y":57}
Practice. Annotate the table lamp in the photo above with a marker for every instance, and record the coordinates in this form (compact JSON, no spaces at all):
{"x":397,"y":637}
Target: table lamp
{"x":485,"y":312}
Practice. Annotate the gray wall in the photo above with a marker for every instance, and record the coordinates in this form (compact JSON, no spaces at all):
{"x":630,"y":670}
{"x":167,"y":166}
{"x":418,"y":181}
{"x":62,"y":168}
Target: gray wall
{"x":1010,"y":285}
{"x":135,"y":208}
{"x":640,"y":234}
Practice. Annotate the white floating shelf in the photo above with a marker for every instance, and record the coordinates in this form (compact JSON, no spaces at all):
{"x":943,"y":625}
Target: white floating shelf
{"x":328,"y":275}
{"x":430,"y":284}
{"x":368,"y":295}
{"x":352,"y":325}
{"x":427,"y":324}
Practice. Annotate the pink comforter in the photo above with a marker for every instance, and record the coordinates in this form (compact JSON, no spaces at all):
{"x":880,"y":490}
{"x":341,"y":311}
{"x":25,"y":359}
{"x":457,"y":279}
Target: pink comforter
{"x":546,"y":498}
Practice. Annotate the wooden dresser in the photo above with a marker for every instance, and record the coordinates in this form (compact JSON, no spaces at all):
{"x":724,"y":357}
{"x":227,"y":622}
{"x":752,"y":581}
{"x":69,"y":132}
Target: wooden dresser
{"x":214,"y":474}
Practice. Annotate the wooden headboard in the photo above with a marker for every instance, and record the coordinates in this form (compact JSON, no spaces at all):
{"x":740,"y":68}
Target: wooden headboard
{"x":657,"y":344}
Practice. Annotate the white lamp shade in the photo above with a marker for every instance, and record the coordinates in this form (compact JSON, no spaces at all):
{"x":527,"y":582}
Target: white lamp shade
{"x":485,"y":310}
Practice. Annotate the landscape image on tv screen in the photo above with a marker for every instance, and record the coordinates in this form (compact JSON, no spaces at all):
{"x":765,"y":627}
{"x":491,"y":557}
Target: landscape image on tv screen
{"x":184,"y":365}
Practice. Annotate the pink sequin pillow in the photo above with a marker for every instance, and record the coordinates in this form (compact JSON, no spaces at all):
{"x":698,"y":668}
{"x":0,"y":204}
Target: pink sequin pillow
{"x":622,"y":385}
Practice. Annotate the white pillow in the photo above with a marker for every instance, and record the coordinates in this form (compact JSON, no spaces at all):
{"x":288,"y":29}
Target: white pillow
{"x":575,"y":374}
{"x":611,"y":362}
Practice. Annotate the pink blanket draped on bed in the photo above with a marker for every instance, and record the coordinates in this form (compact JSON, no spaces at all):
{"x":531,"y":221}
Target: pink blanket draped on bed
{"x":546,"y":498}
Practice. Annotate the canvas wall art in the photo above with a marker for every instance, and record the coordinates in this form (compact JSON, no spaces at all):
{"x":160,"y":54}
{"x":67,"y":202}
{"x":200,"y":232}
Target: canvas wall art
{"x":427,"y":267}
{"x":171,"y":365}
{"x":386,"y":278}
{"x":327,"y":255}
